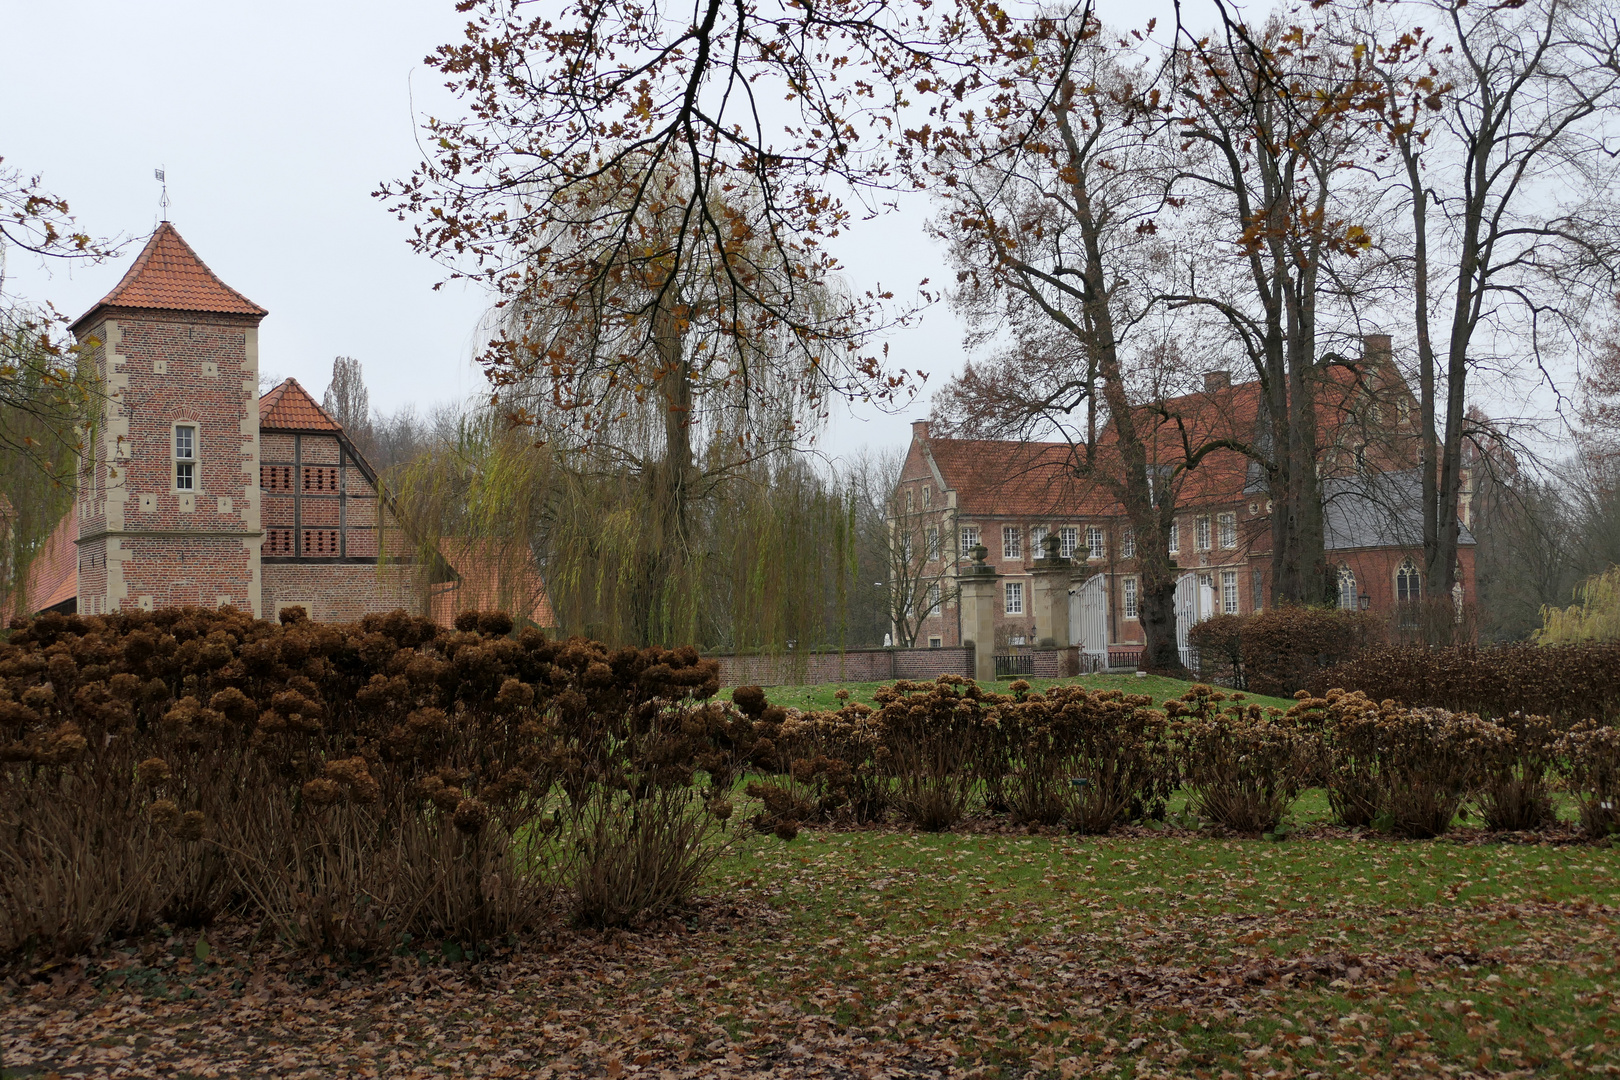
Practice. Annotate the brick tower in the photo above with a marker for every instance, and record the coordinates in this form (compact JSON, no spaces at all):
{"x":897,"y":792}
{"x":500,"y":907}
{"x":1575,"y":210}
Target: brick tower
{"x":168,"y":510}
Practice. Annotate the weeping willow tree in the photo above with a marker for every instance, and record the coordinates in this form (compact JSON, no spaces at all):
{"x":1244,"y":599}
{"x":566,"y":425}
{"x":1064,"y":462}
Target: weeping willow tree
{"x":45,"y":392}
{"x":42,"y":400}
{"x":771,"y":544}
{"x":651,"y":392}
{"x":1596,"y":616}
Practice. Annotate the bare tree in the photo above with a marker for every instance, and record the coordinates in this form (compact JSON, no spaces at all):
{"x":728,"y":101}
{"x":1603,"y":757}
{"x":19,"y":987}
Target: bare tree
{"x":1506,"y":173}
{"x":349,"y":403}
{"x":1273,"y":223}
{"x":921,"y":580}
{"x":1050,"y":219}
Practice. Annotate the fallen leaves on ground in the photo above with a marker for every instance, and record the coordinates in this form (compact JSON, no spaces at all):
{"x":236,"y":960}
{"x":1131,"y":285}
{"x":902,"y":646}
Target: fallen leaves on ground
{"x":872,"y":955}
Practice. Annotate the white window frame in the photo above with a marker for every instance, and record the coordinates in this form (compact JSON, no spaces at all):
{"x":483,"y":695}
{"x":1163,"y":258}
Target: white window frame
{"x":1068,"y":541}
{"x":936,"y":642}
{"x":969,"y":540}
{"x":1348,"y":600}
{"x":1130,"y":599}
{"x":936,"y":598}
{"x":1175,"y":537}
{"x":1227,"y":524}
{"x":1012,"y":542}
{"x":1037,"y":537}
{"x":1013,"y":592}
{"x":1229,"y":592}
{"x":928,"y":495}
{"x":1201,"y":533}
{"x":931,"y":542}
{"x":1096,"y":542}
{"x":910,"y":500}
{"x":176,"y":461}
{"x":1127,"y":544}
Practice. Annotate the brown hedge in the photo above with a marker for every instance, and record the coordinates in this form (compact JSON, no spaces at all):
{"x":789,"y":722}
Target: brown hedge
{"x":1280,"y":651}
{"x":346,"y":783}
{"x":1566,"y":682}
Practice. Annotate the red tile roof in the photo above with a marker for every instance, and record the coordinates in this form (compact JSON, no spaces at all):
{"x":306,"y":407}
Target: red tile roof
{"x":999,"y":477}
{"x":1035,"y":479}
{"x":288,"y":407}
{"x":53,"y":576}
{"x":168,"y":275}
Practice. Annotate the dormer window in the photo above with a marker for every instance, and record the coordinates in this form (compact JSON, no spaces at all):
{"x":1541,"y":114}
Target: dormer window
{"x":185,"y":457}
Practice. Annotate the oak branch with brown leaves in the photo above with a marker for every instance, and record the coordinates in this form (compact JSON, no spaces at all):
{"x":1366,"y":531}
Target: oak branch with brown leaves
{"x":614,"y":150}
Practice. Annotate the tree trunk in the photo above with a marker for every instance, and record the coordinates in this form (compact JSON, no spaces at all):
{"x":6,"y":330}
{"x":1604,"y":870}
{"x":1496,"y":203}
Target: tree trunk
{"x":659,"y":611}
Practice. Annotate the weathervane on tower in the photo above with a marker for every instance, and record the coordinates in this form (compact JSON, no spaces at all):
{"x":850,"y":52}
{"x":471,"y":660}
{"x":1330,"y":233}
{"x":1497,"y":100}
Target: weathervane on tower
{"x":163,"y":199}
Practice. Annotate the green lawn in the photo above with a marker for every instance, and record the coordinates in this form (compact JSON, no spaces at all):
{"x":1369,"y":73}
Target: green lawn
{"x":1069,"y":956}
{"x":822,"y":696}
{"x":893,"y":954}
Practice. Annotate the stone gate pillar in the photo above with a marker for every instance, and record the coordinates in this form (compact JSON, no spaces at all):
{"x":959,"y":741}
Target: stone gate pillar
{"x":979,"y":589}
{"x":1051,"y":588}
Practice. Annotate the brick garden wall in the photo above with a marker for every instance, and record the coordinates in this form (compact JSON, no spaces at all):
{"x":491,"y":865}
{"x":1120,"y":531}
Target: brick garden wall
{"x":339,"y":592}
{"x":853,"y":665}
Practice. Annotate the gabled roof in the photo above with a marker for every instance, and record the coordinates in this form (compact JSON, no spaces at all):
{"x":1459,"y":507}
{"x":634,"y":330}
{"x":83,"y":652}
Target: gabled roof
{"x":168,"y":275}
{"x":288,"y":407}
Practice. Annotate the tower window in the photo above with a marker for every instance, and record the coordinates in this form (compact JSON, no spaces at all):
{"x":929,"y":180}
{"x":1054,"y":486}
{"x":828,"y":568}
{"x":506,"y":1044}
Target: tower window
{"x":185,"y":457}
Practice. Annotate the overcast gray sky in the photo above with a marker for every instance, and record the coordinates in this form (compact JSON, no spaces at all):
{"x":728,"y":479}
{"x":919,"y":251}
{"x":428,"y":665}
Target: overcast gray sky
{"x":275,"y":122}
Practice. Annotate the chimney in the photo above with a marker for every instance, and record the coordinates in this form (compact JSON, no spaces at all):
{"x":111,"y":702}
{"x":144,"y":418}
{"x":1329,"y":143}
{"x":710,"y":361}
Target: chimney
{"x":1217,"y":380}
{"x":919,"y":430}
{"x":1375,"y":348}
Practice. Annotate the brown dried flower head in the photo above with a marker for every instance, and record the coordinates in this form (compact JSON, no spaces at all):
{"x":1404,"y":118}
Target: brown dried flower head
{"x":191,"y":825}
{"x":470,"y":815}
{"x":322,"y":792}
{"x":152,"y":771}
{"x":164,"y":812}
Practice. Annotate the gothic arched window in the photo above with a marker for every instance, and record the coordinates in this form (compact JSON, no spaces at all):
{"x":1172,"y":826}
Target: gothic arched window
{"x":1408,"y":583}
{"x":1347,"y":588}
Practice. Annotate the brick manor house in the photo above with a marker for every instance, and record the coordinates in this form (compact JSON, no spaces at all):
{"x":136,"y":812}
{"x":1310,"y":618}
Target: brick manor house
{"x":954,"y":494}
{"x":196,"y":490}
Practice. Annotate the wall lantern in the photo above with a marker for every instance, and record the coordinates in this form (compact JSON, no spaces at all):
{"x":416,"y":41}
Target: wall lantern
{"x":1366,"y":602}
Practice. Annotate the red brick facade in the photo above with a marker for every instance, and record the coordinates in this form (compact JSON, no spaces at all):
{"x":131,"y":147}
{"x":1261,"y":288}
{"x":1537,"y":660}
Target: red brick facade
{"x":196,"y":491}
{"x":148,"y":536}
{"x":953,"y":493}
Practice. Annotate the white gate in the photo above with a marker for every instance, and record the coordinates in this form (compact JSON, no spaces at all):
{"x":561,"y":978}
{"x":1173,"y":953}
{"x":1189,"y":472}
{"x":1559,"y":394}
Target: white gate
{"x":1195,"y":602}
{"x":1088,"y":621}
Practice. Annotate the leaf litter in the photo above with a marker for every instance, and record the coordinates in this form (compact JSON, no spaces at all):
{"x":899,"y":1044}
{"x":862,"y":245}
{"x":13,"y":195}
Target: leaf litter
{"x":904,"y":955}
